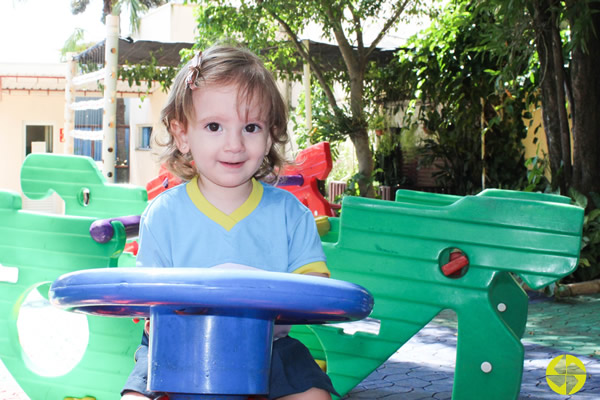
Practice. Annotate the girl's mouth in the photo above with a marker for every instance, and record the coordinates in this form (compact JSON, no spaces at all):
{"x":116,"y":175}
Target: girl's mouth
{"x":232,"y":164}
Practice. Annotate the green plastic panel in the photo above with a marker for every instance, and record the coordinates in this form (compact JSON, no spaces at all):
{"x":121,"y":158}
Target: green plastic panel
{"x":70,"y":176}
{"x":396,"y":250}
{"x":42,"y":247}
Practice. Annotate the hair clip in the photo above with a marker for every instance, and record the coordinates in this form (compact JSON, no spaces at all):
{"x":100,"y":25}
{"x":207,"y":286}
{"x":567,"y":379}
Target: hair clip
{"x":194,"y":71}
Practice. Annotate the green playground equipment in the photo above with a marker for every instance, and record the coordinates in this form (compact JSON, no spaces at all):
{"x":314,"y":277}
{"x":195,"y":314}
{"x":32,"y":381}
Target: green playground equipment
{"x":79,"y":182}
{"x":398,"y":250}
{"x":83,"y":188}
{"x":37,"y":248}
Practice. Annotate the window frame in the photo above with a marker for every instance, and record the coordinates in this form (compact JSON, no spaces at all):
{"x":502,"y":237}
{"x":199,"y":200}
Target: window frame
{"x":140,"y":143}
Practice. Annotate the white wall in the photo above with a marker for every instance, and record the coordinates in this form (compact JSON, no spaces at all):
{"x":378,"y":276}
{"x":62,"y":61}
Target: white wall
{"x":144,"y":165}
{"x":16,"y":111}
{"x":169,"y":23}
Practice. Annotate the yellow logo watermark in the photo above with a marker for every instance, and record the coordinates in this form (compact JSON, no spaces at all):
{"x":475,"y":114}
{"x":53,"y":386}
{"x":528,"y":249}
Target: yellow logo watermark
{"x":566,"y":374}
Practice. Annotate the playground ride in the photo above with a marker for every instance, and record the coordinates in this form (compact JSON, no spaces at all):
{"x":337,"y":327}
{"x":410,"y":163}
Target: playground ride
{"x":312,"y":164}
{"x":399,"y":251}
{"x":211,"y":330}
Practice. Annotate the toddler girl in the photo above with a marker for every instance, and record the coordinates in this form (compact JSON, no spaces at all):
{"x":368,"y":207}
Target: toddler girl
{"x":227,"y":125}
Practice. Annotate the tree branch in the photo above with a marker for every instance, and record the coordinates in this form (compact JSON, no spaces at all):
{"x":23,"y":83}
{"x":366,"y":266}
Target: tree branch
{"x":345,"y":47}
{"x":358,"y":27}
{"x":316,"y":68}
{"x":401,"y":6}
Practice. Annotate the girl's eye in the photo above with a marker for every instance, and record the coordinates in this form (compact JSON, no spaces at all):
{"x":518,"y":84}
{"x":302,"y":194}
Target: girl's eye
{"x":252,"y":128}
{"x":213,"y":127}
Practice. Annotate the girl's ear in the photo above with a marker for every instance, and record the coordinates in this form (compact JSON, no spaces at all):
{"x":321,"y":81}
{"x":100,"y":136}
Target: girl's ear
{"x":179,"y":133}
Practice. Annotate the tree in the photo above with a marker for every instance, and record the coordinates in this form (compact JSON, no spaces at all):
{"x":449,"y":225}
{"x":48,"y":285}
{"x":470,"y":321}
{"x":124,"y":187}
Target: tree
{"x":564,"y":37}
{"x":585,"y":84}
{"x":147,"y":71}
{"x":136,"y":8}
{"x":448,"y":83}
{"x":273,"y":28}
{"x":75,"y":43}
{"x":554,"y":45}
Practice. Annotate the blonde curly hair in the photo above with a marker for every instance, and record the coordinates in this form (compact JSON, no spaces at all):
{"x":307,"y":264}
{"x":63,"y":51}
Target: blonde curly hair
{"x":224,"y":65}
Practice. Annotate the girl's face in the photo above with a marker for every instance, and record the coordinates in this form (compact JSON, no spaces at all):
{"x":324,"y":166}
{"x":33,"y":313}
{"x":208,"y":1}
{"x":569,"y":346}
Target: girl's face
{"x":228,"y":140}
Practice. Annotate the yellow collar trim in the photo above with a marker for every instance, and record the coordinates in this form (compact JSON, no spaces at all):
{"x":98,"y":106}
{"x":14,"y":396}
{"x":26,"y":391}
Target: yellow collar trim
{"x":212,"y":212}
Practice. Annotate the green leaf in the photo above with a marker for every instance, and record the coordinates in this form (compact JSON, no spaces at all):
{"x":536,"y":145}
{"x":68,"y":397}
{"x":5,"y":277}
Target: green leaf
{"x":593,"y":215}
{"x":579,"y":199}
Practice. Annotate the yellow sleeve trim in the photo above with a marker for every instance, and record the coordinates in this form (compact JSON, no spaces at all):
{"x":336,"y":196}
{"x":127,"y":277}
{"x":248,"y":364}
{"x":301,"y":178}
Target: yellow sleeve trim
{"x":323,"y":225}
{"x":322,"y":364}
{"x":318,"y":266}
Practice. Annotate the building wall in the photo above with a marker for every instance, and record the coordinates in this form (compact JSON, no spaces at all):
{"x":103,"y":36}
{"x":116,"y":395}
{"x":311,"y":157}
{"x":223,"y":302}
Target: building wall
{"x":144,"y":164}
{"x":16,"y":111}
{"x":535,"y":136}
{"x":21,"y":108}
{"x":169,"y":23}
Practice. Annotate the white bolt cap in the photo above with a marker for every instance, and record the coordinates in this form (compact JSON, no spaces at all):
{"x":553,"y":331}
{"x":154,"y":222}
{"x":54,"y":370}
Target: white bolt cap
{"x":486,"y":367}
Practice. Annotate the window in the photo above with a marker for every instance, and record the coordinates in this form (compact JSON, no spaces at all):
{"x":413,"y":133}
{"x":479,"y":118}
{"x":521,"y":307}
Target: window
{"x":145,"y":133}
{"x":88,"y":120}
{"x":90,"y":148}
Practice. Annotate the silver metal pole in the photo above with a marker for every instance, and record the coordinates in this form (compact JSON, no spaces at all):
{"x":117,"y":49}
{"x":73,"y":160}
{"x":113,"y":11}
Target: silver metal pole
{"x":69,"y":124}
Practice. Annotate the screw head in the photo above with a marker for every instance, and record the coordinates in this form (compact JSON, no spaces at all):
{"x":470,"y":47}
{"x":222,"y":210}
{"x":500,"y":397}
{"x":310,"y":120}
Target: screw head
{"x":486,"y":367}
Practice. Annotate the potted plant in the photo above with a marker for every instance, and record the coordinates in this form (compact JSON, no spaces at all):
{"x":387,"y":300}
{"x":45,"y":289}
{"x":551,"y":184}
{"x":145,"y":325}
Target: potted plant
{"x":378,"y":124}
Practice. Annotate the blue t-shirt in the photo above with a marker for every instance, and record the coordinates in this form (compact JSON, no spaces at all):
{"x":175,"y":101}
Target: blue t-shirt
{"x":271,"y":231}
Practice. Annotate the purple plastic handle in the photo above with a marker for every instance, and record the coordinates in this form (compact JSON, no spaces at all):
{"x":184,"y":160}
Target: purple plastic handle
{"x":102,"y":230}
{"x":290,"y":180}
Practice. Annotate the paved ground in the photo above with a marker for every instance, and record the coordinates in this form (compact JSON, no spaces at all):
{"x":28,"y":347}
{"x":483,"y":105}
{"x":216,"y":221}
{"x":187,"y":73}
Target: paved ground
{"x":423,"y":368}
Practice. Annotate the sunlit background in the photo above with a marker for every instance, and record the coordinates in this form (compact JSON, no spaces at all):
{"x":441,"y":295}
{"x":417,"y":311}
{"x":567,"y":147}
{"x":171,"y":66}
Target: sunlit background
{"x":34,"y":31}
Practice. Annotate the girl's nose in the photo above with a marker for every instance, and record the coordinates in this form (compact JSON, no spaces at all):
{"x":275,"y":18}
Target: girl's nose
{"x":234,"y":142}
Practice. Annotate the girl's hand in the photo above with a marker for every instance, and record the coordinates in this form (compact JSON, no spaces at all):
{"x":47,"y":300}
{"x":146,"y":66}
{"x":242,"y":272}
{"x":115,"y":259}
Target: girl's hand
{"x":317,"y":274}
{"x":235,"y":266}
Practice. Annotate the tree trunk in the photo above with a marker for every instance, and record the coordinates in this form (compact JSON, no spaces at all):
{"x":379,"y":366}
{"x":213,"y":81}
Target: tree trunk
{"x":360,"y":139}
{"x":563,"y":119}
{"x":586,"y":98}
{"x":574,"y":289}
{"x":360,"y":134}
{"x":553,"y":95}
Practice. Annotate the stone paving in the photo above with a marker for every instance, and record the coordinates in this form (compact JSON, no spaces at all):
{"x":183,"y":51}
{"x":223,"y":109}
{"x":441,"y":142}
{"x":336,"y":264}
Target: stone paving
{"x":423,"y":368}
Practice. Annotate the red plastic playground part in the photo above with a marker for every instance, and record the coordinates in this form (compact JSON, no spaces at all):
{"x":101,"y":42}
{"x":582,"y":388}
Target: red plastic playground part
{"x":458,"y":261}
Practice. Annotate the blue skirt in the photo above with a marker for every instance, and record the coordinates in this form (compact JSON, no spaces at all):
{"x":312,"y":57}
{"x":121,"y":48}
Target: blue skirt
{"x":293,"y":370}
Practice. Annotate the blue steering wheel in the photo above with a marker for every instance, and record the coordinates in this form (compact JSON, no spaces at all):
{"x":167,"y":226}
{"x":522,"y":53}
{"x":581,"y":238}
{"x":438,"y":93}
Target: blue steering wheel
{"x":211,"y":330}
